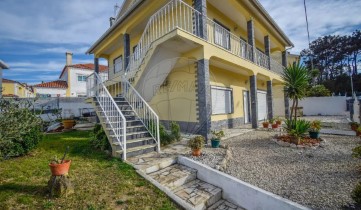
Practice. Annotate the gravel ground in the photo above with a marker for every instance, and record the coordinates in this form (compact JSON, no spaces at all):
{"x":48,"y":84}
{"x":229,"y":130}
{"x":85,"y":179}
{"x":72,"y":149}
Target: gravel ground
{"x":320,"y":179}
{"x":210,"y":156}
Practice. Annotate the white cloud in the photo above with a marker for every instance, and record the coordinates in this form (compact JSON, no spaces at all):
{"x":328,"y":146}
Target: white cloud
{"x":66,"y":21}
{"x":325,"y":17}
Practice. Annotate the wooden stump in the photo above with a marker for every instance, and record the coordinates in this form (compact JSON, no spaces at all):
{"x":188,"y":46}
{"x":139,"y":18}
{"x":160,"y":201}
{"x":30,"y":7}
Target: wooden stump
{"x":60,"y":186}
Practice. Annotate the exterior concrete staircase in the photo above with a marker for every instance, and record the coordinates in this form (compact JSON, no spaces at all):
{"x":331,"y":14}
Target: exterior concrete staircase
{"x":138,"y":139}
{"x":182,"y":184}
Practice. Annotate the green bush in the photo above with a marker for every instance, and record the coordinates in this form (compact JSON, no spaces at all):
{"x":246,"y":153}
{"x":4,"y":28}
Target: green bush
{"x":318,"y":91}
{"x":356,"y":193}
{"x":297,"y":128}
{"x":175,"y":130}
{"x":99,"y":139}
{"x":168,"y":138}
{"x":20,"y":128}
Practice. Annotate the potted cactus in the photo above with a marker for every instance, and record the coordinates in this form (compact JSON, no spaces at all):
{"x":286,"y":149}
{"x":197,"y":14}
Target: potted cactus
{"x":60,"y":167}
{"x":196,"y":144}
{"x":315,"y":128}
{"x":216,"y":138}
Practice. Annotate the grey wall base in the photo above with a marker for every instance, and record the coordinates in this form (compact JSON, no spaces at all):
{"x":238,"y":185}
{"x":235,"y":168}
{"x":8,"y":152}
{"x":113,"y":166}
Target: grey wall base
{"x":186,"y":127}
{"x":228,"y":123}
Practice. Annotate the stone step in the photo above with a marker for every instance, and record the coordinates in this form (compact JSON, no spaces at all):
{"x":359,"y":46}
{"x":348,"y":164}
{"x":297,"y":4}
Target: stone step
{"x":132,"y":129}
{"x":152,"y":162}
{"x":174,"y":176}
{"x":133,"y":135}
{"x":131,"y":152}
{"x":199,"y":194}
{"x":224,"y":205}
{"x":136,"y":142}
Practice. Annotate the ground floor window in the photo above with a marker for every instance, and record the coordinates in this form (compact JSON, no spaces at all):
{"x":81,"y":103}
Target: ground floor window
{"x":222,"y":100}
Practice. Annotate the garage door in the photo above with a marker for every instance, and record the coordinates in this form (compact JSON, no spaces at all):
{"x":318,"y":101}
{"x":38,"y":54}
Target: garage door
{"x":262,"y":105}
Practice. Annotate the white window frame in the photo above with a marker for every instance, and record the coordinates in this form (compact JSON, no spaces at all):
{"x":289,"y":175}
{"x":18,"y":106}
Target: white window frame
{"x":222,"y":35}
{"x":83,"y":76}
{"x":215,"y":106}
{"x":118,"y":64}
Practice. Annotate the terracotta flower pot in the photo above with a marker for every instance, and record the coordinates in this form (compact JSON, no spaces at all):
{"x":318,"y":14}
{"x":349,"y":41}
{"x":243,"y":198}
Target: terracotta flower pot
{"x":358,"y":133}
{"x":354,"y":127}
{"x":274,"y":126}
{"x":278,"y":122}
{"x":68,"y":124}
{"x":60,"y":169}
{"x":265,"y":125}
{"x":196,"y":152}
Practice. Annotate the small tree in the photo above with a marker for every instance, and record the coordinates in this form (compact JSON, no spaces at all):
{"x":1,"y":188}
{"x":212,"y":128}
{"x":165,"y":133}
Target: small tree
{"x":295,"y":79}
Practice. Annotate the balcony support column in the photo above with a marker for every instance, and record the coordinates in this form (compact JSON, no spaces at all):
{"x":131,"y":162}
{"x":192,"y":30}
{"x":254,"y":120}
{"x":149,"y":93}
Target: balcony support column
{"x":204,"y":98}
{"x":267,"y":47}
{"x":201,"y":20}
{"x":286,"y":98}
{"x":284,"y":59}
{"x":269,"y":100}
{"x":251,"y":38}
{"x":126,"y":40}
{"x":96,"y":70}
{"x":254,"y":103}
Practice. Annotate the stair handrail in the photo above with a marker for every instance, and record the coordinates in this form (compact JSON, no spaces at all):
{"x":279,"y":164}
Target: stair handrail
{"x":97,"y":89}
{"x":145,"y":113}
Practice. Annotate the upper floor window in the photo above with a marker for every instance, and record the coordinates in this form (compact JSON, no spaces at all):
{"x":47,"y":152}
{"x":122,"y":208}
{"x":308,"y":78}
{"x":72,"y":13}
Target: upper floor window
{"x":222,"y":36}
{"x":81,"y":78}
{"x":136,"y":52}
{"x":118,"y":64}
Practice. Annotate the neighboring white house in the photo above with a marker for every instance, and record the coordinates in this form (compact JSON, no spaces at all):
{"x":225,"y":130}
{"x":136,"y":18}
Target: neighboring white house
{"x":51,"y":89}
{"x":72,"y":80}
{"x":75,"y":75}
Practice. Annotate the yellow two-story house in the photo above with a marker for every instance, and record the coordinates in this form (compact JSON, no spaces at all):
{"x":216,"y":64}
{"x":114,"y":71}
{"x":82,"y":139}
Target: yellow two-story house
{"x":206,"y":64}
{"x":12,"y":88}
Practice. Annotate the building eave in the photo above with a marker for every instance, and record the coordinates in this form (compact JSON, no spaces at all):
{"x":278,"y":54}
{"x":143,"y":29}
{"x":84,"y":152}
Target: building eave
{"x":3,"y":65}
{"x":264,"y":12}
{"x":119,"y":21}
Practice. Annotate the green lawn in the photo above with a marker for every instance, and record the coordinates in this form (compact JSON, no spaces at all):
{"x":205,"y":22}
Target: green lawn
{"x":100,"y":182}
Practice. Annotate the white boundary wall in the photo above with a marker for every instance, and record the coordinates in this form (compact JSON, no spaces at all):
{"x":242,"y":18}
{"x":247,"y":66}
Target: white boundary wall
{"x":356,"y":109}
{"x":333,"y":105}
{"x":238,"y":192}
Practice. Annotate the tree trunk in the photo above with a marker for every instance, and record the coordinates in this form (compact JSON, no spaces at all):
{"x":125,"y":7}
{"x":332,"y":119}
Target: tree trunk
{"x":296,"y":109}
{"x":293,"y":107}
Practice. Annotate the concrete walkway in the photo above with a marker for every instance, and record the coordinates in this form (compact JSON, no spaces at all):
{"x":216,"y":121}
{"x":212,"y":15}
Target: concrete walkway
{"x":338,"y":132}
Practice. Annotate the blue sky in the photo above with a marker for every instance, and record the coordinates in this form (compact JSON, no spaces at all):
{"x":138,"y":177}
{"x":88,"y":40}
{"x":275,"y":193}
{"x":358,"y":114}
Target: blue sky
{"x":34,"y":35}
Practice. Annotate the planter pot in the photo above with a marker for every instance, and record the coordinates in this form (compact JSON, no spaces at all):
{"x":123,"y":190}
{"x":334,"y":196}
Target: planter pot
{"x":314,"y":135}
{"x":68,"y":124}
{"x":215,"y":143}
{"x":358,"y":133}
{"x":354,"y":127}
{"x":274,"y":126}
{"x":196,"y":152}
{"x":60,"y":169}
{"x":278,"y":122}
{"x":265,"y":125}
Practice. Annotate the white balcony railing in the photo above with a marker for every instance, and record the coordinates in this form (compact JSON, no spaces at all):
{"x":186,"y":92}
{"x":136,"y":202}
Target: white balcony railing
{"x":178,"y":15}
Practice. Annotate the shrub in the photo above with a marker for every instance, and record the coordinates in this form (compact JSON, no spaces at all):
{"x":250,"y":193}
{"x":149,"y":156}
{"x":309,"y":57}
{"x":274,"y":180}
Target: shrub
{"x":196,"y":142}
{"x":356,"y":152}
{"x":356,"y":193}
{"x":20,"y":128}
{"x":99,"y":139}
{"x":297,"y":128}
{"x":175,"y":130}
{"x":318,"y":91}
{"x":168,"y":138}
{"x":165,"y":138}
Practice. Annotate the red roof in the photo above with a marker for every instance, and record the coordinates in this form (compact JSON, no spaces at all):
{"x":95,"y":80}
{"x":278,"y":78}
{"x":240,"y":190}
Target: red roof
{"x":87,"y":66}
{"x":53,"y":84}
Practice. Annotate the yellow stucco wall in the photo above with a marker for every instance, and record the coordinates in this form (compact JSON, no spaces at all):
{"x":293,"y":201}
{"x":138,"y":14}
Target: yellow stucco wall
{"x":176,"y":101}
{"x":238,"y":83}
{"x":8,"y":88}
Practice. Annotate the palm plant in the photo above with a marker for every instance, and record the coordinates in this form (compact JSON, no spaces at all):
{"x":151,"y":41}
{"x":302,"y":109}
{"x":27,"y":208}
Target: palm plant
{"x":295,"y":79}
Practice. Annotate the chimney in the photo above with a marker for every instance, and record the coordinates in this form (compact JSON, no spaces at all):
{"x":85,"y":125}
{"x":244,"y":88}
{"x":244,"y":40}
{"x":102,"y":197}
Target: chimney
{"x":69,"y":58}
{"x":111,"y":21}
